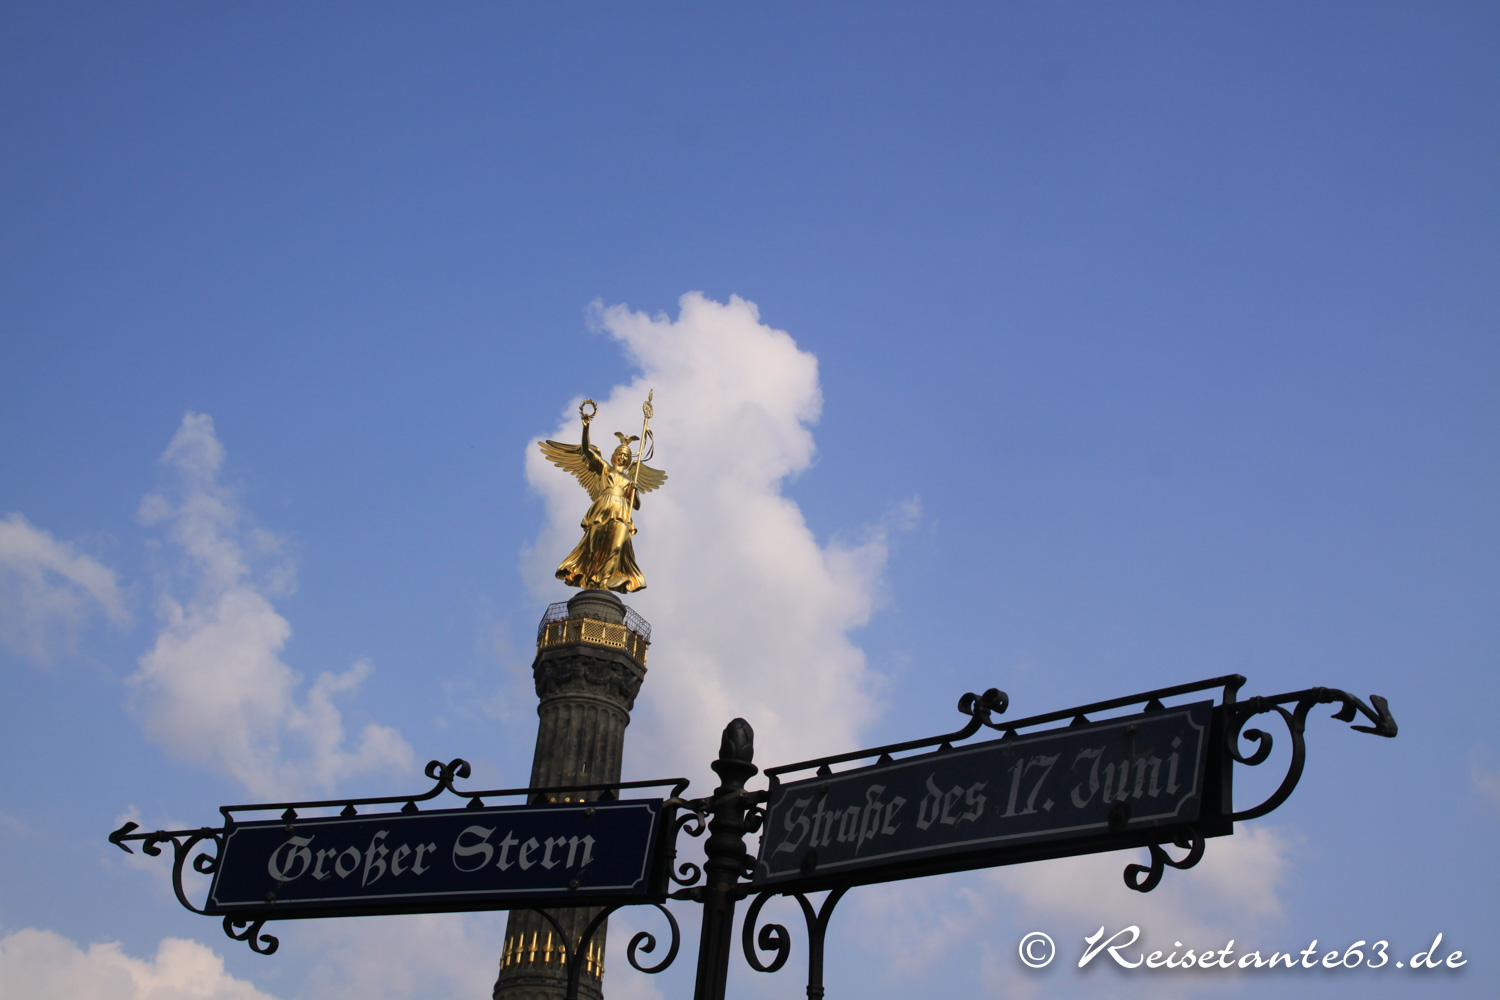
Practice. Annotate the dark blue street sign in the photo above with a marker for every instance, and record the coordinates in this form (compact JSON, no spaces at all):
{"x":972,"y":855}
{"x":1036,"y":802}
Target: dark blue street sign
{"x":1096,"y":786}
{"x":437,"y":861}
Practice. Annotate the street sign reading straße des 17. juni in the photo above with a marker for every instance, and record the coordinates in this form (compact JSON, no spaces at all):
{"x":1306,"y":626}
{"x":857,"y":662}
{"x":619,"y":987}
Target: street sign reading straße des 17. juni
{"x":1044,"y":794}
{"x":442,"y":860}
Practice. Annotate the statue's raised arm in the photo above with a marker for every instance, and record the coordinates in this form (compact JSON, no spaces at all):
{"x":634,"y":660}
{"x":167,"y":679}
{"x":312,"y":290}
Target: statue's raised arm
{"x":583,"y":460}
{"x":605,"y":558}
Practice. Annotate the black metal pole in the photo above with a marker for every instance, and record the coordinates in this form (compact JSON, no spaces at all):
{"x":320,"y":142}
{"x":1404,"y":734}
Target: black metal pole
{"x":726,"y":858}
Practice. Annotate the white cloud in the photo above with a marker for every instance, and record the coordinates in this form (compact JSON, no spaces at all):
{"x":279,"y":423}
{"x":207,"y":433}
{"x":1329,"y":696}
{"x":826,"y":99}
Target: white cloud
{"x":1232,"y":894}
{"x":910,"y":928}
{"x":1486,"y":781}
{"x":214,"y":687}
{"x":48,"y":591}
{"x":751,"y":614}
{"x":42,"y":965}
{"x":401,"y":958}
{"x":1234,"y":885}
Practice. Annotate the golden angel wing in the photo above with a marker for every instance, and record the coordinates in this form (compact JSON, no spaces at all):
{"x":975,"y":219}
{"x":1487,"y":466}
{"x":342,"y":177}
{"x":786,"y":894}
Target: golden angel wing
{"x":572,"y":458}
{"x":650,"y":478}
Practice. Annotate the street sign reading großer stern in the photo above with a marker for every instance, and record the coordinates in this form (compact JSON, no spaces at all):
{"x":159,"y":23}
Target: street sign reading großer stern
{"x":1087,"y":787}
{"x":439,"y":861}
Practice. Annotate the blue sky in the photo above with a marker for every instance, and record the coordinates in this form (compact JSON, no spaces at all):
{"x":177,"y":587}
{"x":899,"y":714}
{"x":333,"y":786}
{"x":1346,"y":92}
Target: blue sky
{"x":1069,"y":349}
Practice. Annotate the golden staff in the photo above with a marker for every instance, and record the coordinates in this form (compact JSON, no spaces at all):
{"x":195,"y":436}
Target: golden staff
{"x":646,"y":414}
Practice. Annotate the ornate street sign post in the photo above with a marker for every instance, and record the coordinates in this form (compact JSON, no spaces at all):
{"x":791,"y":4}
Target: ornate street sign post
{"x":1146,"y":770}
{"x":1052,"y":794}
{"x":1153,"y":776}
{"x":1127,"y":772}
{"x":367,"y":860}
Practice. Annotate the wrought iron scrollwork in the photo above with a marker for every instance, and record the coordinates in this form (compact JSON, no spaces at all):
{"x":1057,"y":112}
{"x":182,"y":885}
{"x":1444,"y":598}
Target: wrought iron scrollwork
{"x":646,"y":941}
{"x":444,"y":774}
{"x":978,"y":707}
{"x":575,"y":953}
{"x":1144,"y":878}
{"x":243,"y":929}
{"x":692,"y":818}
{"x":183,"y":842}
{"x":772,"y":937}
{"x":1350,"y":708}
{"x":445,"y":777}
{"x":775,"y":937}
{"x":694,"y":822}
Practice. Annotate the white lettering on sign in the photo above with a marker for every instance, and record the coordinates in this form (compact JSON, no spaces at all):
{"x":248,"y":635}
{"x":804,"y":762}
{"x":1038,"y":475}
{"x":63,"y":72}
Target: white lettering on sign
{"x":1115,"y":783}
{"x":1000,"y":792}
{"x":857,"y":825}
{"x":375,"y":858}
{"x":293,"y":852}
{"x":398,"y":861}
{"x":475,"y":841}
{"x":296,"y":858}
{"x":482,"y":846}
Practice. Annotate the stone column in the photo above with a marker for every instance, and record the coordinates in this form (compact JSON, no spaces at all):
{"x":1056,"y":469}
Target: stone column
{"x":589,"y":666}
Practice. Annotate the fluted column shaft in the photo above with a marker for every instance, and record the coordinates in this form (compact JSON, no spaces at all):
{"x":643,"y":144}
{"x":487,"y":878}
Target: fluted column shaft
{"x":586,"y":691}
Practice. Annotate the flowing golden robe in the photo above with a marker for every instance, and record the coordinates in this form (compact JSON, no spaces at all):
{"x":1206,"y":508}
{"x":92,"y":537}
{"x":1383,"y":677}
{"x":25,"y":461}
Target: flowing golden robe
{"x":605,"y":557}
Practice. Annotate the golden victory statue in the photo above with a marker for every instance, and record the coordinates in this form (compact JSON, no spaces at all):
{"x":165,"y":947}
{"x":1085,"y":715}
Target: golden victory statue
{"x":605,"y":558}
